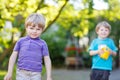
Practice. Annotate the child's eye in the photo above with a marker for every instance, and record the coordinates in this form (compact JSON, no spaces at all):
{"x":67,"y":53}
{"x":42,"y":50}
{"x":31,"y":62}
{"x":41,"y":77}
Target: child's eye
{"x":101,"y":29}
{"x":38,"y":29}
{"x":106,"y":30}
{"x":31,"y":28}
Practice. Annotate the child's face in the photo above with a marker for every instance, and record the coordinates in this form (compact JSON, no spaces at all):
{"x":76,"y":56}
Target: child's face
{"x":34,"y":31}
{"x":103,"y":32}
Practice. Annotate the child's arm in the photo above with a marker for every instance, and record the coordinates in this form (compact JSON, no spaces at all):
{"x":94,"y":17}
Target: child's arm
{"x":48,"y":67}
{"x":93,"y":52}
{"x":11,"y":65}
{"x":113,"y":53}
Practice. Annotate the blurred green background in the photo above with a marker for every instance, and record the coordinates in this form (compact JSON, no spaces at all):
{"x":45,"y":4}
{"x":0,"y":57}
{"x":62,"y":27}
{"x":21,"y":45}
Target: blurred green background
{"x":70,"y":27}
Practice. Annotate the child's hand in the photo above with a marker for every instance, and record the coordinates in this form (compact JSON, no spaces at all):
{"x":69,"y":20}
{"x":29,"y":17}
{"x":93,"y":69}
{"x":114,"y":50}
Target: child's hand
{"x":105,"y":52}
{"x":110,"y":51}
{"x":8,"y":77}
{"x":100,"y":51}
{"x":49,"y":78}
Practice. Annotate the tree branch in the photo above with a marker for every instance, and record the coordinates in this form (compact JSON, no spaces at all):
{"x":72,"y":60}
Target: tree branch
{"x":39,"y":5}
{"x":51,"y":22}
{"x":8,"y":50}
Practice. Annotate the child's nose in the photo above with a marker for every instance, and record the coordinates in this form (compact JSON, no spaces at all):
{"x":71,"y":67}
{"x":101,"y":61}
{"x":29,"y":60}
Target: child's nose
{"x":34,"y":30}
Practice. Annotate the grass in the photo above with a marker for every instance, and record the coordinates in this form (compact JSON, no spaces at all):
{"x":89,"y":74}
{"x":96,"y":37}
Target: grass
{"x":2,"y":73}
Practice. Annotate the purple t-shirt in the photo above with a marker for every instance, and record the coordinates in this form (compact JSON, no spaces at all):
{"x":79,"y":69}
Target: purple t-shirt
{"x":30,"y":53}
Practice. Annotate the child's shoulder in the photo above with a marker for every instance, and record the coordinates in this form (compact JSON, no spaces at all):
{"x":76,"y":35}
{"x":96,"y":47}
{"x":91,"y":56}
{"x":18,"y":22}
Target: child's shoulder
{"x":109,"y":39}
{"x":95,"y":39}
{"x":22,"y":39}
{"x":42,"y":41}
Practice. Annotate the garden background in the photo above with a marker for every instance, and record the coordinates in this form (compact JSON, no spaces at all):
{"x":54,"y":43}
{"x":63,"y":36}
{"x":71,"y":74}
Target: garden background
{"x":69,"y":28}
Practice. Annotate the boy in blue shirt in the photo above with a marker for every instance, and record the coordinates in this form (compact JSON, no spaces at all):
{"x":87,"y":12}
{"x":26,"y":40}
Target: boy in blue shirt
{"x":101,"y":67}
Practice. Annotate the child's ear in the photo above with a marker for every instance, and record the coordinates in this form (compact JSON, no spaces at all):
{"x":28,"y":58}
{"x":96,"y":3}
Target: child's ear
{"x":97,"y":32}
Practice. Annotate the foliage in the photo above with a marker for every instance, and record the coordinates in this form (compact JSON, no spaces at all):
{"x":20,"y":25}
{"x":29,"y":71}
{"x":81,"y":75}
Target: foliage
{"x":16,"y":12}
{"x":2,"y":73}
{"x":56,"y":41}
{"x":87,"y":60}
{"x":74,"y":22}
{"x":72,"y":51}
{"x":78,"y":22}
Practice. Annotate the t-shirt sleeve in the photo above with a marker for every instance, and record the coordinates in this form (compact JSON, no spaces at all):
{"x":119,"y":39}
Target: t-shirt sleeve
{"x":17,"y":46}
{"x":45,"y":50}
{"x":91,"y":46}
{"x":113,"y":46}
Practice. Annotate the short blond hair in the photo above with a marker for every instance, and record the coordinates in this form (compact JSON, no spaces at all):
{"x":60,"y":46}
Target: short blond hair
{"x":103,"y":23}
{"x":35,"y":19}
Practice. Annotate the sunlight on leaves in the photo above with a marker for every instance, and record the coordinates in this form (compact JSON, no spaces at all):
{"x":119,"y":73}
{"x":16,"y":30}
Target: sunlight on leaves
{"x":2,"y":73}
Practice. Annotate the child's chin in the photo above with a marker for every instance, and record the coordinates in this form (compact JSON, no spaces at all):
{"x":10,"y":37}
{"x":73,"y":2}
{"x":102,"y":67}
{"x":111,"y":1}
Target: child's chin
{"x":33,"y":37}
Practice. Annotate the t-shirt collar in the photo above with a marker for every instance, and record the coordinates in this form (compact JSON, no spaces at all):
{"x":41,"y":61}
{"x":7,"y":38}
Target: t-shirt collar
{"x":28,"y":37}
{"x":101,"y":38}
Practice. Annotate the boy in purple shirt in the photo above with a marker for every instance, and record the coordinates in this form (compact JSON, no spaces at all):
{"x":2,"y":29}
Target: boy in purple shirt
{"x":30,"y":50}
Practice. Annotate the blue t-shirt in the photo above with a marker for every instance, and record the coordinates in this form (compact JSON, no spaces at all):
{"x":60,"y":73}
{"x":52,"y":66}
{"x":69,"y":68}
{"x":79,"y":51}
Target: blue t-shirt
{"x":30,"y":53}
{"x":97,"y":62}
